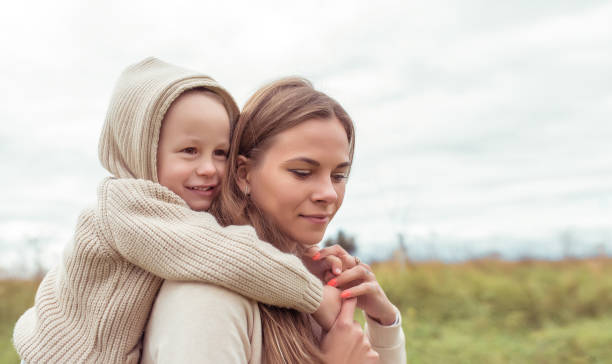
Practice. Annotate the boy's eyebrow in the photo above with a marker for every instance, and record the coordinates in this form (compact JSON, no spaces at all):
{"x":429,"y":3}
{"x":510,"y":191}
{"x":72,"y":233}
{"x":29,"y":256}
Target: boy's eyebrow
{"x":192,"y":139}
{"x":315,"y":163}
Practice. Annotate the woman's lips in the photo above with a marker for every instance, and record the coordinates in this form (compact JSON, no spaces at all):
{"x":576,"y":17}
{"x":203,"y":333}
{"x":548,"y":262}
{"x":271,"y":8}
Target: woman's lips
{"x":316,"y":219}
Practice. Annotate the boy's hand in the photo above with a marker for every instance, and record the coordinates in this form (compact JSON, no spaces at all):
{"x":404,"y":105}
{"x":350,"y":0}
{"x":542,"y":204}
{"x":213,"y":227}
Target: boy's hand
{"x":329,"y":309}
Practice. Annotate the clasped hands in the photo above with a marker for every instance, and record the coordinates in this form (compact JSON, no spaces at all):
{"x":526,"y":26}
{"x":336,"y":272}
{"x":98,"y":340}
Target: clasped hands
{"x":348,"y":283}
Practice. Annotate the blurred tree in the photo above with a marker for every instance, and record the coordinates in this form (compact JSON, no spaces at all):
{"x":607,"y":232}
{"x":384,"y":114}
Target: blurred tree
{"x":345,"y":241}
{"x":400,"y":254}
{"x":601,"y":250}
{"x":568,"y":241}
{"x":35,"y":245}
{"x":402,"y":243}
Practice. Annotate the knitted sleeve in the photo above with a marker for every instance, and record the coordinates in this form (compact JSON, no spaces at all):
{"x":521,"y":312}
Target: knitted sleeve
{"x":154,"y":229}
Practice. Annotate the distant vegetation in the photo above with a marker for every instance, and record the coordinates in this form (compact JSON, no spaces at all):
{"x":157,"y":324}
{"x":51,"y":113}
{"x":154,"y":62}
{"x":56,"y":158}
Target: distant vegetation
{"x":483,"y":311}
{"x":15,"y":297}
{"x":344,"y":240}
{"x":491,"y":311}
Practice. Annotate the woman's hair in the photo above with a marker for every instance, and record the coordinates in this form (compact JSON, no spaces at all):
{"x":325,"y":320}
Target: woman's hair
{"x":279,"y":106}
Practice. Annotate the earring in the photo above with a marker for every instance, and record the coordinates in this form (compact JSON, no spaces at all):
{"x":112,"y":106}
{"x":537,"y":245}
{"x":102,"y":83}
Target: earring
{"x":247,"y":192}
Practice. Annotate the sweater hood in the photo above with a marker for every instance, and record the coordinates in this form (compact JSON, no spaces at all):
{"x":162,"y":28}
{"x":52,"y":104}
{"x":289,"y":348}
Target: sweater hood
{"x":141,"y":98}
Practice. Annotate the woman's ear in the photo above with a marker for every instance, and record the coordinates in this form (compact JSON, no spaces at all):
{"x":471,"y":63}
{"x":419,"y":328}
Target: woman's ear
{"x":242,"y":174}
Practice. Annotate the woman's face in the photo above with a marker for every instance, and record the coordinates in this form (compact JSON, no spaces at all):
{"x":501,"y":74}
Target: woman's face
{"x":300,"y":178}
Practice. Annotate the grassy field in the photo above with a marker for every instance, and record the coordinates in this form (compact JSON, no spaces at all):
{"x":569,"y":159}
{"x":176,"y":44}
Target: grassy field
{"x":15,"y":297}
{"x":484,"y":311}
{"x":502,"y":312}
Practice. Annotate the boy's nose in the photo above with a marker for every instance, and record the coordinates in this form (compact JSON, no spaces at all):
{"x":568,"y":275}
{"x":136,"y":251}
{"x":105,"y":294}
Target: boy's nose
{"x":206,"y":168}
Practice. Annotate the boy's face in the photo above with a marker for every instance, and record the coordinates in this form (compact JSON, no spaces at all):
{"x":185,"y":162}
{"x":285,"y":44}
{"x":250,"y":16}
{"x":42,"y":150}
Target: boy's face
{"x":192,"y":149}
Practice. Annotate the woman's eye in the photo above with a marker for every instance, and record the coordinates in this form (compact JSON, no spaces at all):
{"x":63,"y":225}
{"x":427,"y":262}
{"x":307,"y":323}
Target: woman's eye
{"x":302,"y":173}
{"x":339,"y":177}
{"x":189,"y":150}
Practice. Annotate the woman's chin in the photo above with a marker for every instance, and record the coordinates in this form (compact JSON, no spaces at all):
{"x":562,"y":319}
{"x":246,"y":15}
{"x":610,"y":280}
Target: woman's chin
{"x":308,"y":240}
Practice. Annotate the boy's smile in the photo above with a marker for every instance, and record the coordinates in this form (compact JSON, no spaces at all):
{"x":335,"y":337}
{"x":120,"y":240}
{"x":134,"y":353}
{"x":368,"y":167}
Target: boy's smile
{"x":204,"y":191}
{"x":192,"y":148}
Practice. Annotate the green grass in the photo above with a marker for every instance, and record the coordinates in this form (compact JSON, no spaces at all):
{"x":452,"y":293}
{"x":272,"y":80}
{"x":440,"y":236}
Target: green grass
{"x":501,"y":312}
{"x":15,"y":297}
{"x":483,"y":311}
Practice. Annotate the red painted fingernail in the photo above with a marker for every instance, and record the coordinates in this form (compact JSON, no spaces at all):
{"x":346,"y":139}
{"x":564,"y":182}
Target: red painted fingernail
{"x":316,"y":256}
{"x":333,"y":282}
{"x":345,"y":294}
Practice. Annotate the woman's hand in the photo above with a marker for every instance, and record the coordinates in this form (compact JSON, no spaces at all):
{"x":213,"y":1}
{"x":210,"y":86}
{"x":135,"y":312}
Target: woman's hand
{"x":356,"y":280}
{"x":346,"y":343}
{"x":328,"y":262}
{"x":360,"y":282}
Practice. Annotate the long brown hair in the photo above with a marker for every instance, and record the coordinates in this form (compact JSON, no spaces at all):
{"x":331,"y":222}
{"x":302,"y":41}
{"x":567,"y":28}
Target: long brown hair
{"x":281,"y":105}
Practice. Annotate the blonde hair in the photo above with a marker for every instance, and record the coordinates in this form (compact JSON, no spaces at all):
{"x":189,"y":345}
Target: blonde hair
{"x":281,"y":105}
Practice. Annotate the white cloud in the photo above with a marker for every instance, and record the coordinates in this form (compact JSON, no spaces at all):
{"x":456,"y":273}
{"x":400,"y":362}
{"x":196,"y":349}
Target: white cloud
{"x":474,"y":119}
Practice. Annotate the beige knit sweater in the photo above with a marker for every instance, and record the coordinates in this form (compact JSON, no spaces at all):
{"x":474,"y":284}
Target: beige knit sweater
{"x":93,"y":307}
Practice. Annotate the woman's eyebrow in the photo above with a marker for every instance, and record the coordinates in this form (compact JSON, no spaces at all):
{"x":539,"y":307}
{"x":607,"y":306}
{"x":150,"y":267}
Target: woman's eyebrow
{"x":314,"y":163}
{"x":305,"y":160}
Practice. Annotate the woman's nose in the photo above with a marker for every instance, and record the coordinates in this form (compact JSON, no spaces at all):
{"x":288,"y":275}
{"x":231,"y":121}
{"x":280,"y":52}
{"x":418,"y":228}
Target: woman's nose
{"x":325,"y":192}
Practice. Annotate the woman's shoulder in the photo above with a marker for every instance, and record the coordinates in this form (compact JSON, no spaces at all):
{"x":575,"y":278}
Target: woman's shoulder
{"x":193,"y":320}
{"x":208,"y":299}
{"x":201,"y":291}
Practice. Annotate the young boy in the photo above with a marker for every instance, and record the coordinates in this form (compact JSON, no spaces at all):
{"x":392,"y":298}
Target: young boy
{"x":165,"y":141}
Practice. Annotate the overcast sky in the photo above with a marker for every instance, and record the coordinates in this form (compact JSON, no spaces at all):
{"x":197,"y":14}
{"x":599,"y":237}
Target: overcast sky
{"x":481,"y":125}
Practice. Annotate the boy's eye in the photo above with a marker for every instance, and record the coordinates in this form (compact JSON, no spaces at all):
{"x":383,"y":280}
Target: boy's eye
{"x":189,"y":150}
{"x":221,"y":153}
{"x":301,"y":173}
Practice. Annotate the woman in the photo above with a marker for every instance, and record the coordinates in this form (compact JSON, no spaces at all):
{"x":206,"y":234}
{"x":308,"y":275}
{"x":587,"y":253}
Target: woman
{"x":290,"y":157}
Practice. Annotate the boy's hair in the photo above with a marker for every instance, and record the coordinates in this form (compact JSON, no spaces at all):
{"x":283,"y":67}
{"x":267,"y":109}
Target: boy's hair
{"x":142,"y":96}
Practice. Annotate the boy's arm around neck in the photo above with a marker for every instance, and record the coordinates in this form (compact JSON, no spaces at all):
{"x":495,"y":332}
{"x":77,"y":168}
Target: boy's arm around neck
{"x":154,"y":229}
